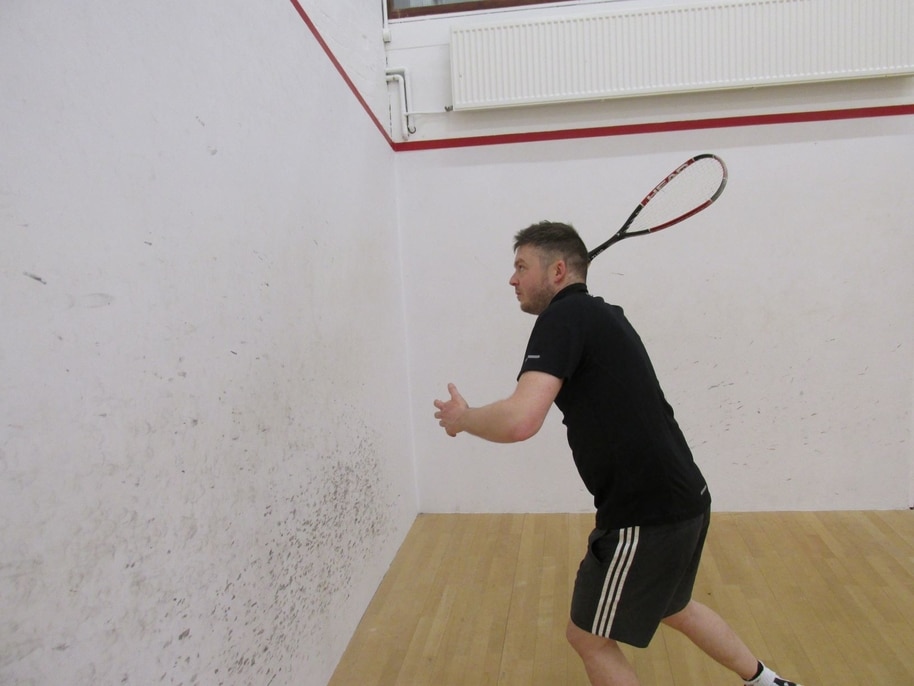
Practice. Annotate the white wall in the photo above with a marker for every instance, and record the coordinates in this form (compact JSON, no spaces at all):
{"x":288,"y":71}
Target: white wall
{"x":205,"y":459}
{"x":800,"y":320}
{"x":352,"y":30}
{"x":781,"y":321}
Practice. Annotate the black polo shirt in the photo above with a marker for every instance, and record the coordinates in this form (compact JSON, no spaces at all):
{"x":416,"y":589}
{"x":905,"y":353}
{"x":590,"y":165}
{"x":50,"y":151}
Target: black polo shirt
{"x":628,"y":448}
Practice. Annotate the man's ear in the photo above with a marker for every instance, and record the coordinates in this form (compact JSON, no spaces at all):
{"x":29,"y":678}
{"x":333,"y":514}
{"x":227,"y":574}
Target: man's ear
{"x":559,"y":270}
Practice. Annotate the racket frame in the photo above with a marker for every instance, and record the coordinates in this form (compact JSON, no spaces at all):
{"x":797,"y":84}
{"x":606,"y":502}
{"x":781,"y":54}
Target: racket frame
{"x":623,"y":233}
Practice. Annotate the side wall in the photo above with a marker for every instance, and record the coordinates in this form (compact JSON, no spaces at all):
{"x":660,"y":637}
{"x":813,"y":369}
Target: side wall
{"x":204,"y":450}
{"x":781,"y":320}
{"x":352,"y":32}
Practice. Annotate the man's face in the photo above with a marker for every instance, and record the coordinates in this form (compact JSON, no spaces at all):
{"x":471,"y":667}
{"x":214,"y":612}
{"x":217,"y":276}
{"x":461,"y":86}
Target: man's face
{"x":531,"y":281}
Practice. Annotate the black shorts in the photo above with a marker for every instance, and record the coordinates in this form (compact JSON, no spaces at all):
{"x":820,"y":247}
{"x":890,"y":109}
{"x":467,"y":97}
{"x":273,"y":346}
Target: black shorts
{"x":631,"y":579}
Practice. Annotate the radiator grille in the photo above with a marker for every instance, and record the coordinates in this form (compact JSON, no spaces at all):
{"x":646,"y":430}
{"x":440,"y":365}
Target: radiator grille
{"x":681,"y":49}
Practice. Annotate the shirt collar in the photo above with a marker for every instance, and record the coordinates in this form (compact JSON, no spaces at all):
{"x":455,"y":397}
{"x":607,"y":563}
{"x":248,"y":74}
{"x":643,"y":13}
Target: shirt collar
{"x":569,"y":290}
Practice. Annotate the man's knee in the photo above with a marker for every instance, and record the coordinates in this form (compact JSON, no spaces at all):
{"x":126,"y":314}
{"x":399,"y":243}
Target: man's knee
{"x":571,"y":633}
{"x":681,"y":619}
{"x":583,"y":641}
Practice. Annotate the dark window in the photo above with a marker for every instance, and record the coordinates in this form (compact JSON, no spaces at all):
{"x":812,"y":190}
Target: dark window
{"x":400,"y":9}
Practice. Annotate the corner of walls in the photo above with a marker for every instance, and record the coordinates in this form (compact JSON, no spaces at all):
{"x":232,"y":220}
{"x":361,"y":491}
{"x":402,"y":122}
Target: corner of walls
{"x":344,"y":28}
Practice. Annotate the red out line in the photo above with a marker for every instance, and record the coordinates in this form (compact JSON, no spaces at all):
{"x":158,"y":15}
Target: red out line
{"x":658,"y":127}
{"x":603,"y":131}
{"x":342,"y":72}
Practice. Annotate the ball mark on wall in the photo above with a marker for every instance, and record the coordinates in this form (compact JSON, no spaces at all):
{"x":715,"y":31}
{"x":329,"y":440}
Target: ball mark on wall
{"x":322,"y":522}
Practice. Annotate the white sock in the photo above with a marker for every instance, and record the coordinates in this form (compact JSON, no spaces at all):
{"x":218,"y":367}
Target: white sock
{"x":763,"y":679}
{"x":768,"y":678}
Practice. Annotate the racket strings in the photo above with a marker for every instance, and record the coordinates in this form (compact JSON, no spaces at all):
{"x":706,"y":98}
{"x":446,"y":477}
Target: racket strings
{"x":686,"y":190}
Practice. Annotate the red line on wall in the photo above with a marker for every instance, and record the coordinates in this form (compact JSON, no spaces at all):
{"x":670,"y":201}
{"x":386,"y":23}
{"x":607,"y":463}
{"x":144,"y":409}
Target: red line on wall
{"x":603,"y":131}
{"x":342,"y":72}
{"x":659,"y":127}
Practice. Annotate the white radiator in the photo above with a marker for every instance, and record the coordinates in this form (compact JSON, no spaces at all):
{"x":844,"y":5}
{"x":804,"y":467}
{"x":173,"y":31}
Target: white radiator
{"x":702,"y":46}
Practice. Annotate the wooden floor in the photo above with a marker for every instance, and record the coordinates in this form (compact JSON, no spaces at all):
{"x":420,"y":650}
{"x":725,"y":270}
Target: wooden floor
{"x":826,"y":598}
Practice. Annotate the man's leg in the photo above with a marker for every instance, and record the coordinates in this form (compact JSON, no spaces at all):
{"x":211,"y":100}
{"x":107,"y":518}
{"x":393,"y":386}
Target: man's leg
{"x":603,"y":659}
{"x":708,"y":630}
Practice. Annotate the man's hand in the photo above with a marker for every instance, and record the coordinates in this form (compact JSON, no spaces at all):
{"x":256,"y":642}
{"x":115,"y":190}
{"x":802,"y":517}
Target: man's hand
{"x":450,"y":411}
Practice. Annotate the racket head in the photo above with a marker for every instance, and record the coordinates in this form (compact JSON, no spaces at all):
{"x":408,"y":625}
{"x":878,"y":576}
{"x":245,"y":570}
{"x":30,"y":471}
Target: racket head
{"x":690,"y":188}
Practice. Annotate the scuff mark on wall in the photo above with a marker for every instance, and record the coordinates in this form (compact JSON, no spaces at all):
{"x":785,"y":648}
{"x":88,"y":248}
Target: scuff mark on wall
{"x":272,"y":609}
{"x":200,"y":481}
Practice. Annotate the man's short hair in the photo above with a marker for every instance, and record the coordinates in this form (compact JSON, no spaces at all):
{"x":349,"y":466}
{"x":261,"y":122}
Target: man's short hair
{"x":556,"y":240}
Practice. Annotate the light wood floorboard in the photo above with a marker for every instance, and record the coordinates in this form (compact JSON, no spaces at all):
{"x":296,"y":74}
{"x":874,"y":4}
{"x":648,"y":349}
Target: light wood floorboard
{"x":482,"y":600}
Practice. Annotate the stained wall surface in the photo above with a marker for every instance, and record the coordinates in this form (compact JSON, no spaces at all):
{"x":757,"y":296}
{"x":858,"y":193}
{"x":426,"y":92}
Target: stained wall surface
{"x":205,"y":464}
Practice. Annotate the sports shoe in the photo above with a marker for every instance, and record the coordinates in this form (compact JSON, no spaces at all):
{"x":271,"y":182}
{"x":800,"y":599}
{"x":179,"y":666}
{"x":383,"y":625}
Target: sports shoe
{"x":769,"y":678}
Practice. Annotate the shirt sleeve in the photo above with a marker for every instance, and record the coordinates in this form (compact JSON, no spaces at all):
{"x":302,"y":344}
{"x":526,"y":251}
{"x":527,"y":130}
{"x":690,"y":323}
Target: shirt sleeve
{"x":554,"y":346}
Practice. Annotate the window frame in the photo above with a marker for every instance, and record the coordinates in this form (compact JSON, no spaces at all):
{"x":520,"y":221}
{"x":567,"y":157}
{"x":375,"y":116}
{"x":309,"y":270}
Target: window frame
{"x":463,"y":6}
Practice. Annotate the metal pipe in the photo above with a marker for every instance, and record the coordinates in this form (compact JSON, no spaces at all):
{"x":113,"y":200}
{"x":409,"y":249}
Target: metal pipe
{"x":401,"y":89}
{"x":400,"y":75}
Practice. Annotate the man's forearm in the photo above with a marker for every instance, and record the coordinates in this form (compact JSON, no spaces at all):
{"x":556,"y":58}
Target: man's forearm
{"x":499,"y":422}
{"x":516,"y":418}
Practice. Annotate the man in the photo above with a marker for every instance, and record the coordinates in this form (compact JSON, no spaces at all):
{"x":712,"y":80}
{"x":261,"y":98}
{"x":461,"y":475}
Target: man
{"x":653,"y":506}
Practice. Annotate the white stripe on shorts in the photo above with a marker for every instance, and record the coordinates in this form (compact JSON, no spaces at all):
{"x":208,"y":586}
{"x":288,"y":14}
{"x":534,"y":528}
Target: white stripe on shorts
{"x":615,"y":579}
